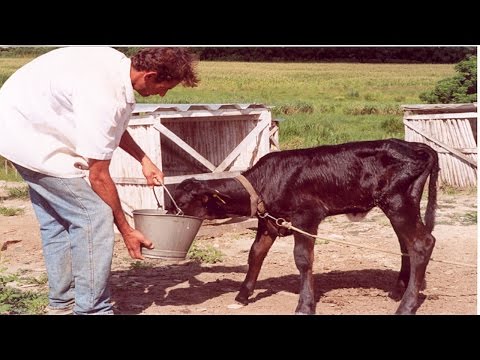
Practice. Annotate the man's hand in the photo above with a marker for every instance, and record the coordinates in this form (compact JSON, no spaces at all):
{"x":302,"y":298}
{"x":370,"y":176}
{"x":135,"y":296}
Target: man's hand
{"x":134,"y":241}
{"x":152,"y":173}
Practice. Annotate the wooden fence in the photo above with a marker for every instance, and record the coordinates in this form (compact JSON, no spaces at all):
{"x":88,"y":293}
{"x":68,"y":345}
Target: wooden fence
{"x":450,"y":129}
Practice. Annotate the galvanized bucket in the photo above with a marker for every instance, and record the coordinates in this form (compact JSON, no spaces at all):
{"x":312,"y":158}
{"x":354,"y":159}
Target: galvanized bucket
{"x":172,"y":235}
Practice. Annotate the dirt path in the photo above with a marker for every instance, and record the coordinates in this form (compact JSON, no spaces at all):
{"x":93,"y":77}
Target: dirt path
{"x":348,"y":280}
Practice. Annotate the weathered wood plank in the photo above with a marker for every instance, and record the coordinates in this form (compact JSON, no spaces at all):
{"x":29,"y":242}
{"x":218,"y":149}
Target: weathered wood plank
{"x":462,"y":150}
{"x":203,"y":113}
{"x":184,"y":146}
{"x":440,"y":107}
{"x":453,"y":151}
{"x":274,"y":142}
{"x":175,"y":179}
{"x":249,"y":138}
{"x":208,"y":176}
{"x":467,"y":115}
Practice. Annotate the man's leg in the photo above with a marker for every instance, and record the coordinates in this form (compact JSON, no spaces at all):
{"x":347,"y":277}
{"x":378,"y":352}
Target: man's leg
{"x":57,"y":253}
{"x":89,"y":223}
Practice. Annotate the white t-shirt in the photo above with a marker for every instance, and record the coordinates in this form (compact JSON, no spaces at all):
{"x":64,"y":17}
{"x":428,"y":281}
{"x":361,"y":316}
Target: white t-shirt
{"x":64,"y":107}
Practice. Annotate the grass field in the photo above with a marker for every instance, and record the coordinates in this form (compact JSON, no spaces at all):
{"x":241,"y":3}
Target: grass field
{"x":321,"y":103}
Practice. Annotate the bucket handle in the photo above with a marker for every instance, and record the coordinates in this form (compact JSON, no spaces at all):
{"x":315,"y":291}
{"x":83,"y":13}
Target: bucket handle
{"x":179,"y":211}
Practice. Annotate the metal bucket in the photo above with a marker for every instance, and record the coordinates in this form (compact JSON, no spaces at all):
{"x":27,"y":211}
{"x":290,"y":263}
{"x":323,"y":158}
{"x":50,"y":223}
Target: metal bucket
{"x":172,"y":235}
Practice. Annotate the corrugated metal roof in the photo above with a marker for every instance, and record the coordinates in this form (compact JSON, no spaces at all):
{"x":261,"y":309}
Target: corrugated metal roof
{"x":147,"y":108}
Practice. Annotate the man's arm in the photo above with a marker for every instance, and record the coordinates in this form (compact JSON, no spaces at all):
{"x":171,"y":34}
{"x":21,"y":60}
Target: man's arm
{"x":102,"y":183}
{"x":151,"y":172}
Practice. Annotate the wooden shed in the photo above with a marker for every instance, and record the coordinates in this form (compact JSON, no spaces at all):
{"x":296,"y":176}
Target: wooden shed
{"x":450,"y":129}
{"x":204,"y":141}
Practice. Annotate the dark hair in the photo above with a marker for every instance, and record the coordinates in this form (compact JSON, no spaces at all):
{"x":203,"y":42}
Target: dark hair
{"x":169,"y":63}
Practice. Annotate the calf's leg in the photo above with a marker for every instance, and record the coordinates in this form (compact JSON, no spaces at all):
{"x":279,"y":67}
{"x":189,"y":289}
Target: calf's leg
{"x":420,"y":249}
{"x":404,"y":274}
{"x":303,"y":253}
{"x":419,"y":243}
{"x":263,"y":242}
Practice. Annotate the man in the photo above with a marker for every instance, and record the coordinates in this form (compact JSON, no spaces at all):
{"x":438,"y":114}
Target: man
{"x":67,"y":111}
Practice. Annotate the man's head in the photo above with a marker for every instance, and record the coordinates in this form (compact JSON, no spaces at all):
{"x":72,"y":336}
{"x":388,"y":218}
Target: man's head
{"x":157,"y":70}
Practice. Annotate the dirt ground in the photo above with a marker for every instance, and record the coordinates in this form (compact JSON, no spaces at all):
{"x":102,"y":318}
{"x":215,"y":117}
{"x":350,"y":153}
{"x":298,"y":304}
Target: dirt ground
{"x":348,"y":280}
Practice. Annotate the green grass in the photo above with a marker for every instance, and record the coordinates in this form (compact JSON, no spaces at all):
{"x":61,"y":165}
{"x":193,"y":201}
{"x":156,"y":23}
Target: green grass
{"x":205,"y":254}
{"x":454,"y":190}
{"x":7,"y":171}
{"x":455,"y":218}
{"x":469,"y":218}
{"x":40,"y":280}
{"x":323,"y":103}
{"x":6,"y":211}
{"x":18,"y":193}
{"x":10,"y":177}
{"x":10,"y":174}
{"x":16,"y":301}
{"x":140,"y":265}
{"x":9,"y":65}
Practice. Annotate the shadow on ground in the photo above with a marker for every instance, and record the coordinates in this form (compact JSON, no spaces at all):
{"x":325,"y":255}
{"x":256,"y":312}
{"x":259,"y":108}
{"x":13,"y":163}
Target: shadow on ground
{"x":135,"y":290}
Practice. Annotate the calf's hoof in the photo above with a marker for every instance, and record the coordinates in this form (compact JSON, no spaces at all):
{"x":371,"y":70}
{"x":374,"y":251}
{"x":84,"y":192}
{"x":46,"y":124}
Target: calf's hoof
{"x":304,"y":310}
{"x":242,"y":299}
{"x":408,"y":309}
{"x":404,"y":312}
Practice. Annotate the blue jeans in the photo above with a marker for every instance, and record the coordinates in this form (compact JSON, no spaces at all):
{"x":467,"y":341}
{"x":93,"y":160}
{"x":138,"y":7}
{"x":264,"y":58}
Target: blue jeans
{"x":76,"y":226}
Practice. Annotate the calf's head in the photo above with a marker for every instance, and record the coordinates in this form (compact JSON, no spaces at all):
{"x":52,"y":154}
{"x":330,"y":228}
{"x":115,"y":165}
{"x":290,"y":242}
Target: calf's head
{"x":196,"y":198}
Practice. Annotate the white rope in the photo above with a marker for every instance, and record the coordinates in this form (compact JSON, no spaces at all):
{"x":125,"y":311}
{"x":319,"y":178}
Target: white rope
{"x":288,"y":225}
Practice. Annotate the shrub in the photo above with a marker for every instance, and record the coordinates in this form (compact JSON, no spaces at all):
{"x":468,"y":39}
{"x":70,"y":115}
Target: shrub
{"x":461,"y":88}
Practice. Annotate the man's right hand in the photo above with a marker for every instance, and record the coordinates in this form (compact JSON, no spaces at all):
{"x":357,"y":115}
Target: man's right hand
{"x":134,"y":241}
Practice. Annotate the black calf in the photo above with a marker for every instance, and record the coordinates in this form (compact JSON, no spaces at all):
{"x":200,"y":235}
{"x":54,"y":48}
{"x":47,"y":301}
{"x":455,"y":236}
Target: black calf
{"x":307,"y":185}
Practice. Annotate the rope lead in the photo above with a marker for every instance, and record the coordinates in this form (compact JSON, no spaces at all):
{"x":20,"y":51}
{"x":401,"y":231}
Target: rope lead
{"x":288,"y":225}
